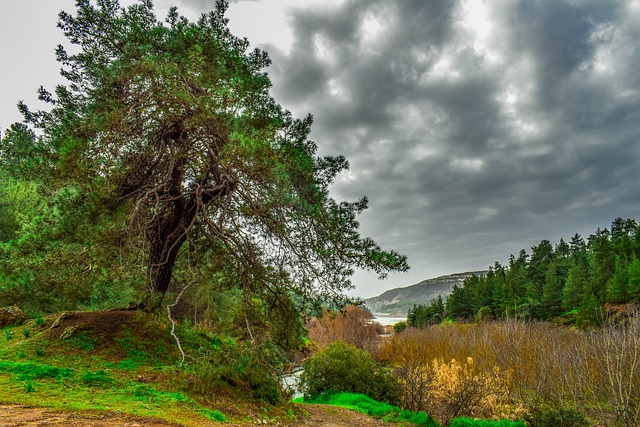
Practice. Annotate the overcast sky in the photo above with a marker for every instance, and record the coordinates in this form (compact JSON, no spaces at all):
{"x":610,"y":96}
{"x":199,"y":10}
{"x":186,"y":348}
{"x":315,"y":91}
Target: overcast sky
{"x":476,"y":128}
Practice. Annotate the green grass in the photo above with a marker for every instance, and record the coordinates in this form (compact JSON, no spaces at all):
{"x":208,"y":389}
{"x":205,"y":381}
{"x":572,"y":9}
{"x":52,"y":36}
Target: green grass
{"x":371,"y":407}
{"x":81,"y":341}
{"x":214,"y":415}
{"x":39,"y":369}
{"x":469,"y":422}
{"x":34,"y":371}
{"x":390,"y":413}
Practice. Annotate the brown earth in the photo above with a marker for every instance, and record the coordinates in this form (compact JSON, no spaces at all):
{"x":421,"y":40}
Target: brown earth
{"x":24,"y":416}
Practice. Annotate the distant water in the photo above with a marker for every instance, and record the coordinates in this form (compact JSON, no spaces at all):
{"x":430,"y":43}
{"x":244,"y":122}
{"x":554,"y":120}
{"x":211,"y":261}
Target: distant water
{"x":387,"y":320}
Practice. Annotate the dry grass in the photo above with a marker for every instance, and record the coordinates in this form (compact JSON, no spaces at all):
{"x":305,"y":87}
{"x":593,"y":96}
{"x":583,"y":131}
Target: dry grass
{"x":515,"y":364}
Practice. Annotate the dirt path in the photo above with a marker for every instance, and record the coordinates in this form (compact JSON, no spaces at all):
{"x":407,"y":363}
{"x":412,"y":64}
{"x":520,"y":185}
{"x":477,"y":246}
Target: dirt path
{"x":330,"y":416}
{"x":23,"y":416}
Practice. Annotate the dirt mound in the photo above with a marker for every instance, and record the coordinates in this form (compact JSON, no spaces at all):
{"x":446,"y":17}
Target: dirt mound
{"x":114,"y":335}
{"x":104,"y":324}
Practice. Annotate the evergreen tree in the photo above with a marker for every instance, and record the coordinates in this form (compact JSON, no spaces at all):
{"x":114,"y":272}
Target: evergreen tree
{"x":602,"y":261}
{"x":461,"y":303}
{"x":634,"y":281}
{"x":541,"y":257}
{"x":170,"y":124}
{"x":552,"y":293}
{"x":618,"y":284}
{"x":577,"y":282}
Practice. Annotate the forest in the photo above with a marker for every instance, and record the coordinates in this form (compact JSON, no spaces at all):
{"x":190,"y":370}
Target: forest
{"x":573,"y":283}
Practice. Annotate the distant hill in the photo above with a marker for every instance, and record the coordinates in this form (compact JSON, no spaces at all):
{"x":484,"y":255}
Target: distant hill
{"x":396,"y":302}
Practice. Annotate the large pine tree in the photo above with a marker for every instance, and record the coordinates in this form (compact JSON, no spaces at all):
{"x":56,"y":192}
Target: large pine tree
{"x":173,"y":122}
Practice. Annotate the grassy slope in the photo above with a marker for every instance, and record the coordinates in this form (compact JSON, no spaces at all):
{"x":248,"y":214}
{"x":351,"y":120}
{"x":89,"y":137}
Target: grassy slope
{"x":118,"y":361}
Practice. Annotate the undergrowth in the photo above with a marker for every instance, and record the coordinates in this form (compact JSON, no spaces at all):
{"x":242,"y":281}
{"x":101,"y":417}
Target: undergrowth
{"x":137,"y":371}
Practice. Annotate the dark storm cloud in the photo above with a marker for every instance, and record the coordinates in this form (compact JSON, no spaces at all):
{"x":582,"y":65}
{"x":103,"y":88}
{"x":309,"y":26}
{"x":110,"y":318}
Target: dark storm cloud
{"x":469,"y":148}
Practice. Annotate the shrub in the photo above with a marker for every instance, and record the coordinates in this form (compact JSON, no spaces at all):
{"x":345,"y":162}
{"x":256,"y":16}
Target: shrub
{"x":341,"y":367}
{"x":399,"y":327}
{"x":462,"y":389}
{"x":352,"y":325}
{"x":557,"y":417}
{"x":233,"y":363}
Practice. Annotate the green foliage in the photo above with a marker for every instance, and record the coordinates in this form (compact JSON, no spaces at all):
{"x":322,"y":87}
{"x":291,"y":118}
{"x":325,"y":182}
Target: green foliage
{"x":238,"y":364}
{"x":462,"y":304}
{"x":128,"y":365}
{"x":220,"y":178}
{"x":547,"y":416}
{"x":399,"y":327}
{"x":469,"y":422}
{"x":343,"y":368}
{"x":29,"y":387}
{"x":146,"y":393}
{"x":214,"y":415}
{"x":485,"y":313}
{"x":420,"y":316}
{"x":26,"y":332}
{"x":365,"y":404}
{"x":556,"y":280}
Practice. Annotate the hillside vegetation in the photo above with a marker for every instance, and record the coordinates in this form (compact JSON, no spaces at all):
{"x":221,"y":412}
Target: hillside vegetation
{"x":397,"y":301}
{"x":127,"y":361}
{"x":575,"y":283}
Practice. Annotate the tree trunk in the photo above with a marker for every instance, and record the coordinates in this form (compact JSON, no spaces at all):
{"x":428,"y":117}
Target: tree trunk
{"x":165,"y":242}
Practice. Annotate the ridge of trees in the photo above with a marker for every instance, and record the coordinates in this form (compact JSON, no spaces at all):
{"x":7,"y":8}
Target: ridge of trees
{"x":573,"y":279}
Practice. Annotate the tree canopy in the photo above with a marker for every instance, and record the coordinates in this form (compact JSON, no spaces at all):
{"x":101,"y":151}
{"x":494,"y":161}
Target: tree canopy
{"x":573,"y":279}
{"x":165,"y":140}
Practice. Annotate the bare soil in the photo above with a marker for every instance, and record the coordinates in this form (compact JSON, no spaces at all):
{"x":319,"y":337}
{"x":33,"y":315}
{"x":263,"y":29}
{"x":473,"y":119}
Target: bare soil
{"x":24,"y":416}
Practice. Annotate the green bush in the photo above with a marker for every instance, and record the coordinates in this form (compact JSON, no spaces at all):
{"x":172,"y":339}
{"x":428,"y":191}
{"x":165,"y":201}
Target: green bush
{"x":343,"y":368}
{"x":470,"y":422}
{"x":244,"y":367}
{"x":547,"y":416}
{"x":399,"y":327}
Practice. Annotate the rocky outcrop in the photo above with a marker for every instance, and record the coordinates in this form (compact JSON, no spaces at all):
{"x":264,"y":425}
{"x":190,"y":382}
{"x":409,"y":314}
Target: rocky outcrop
{"x":396,"y":302}
{"x":11,"y":315}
